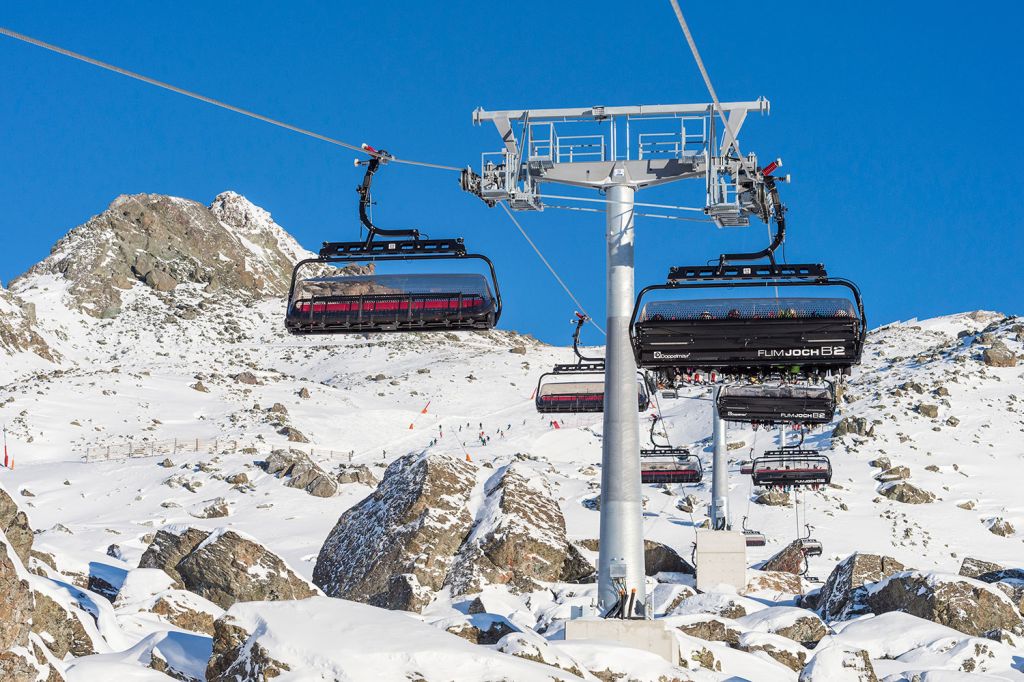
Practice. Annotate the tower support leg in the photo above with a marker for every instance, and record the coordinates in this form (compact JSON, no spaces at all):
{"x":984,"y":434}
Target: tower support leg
{"x":719,"y":469}
{"x":621,"y":558}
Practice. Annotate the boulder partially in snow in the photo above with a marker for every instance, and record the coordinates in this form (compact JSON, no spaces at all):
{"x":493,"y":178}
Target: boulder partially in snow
{"x":799,"y":625}
{"x":970,"y":606}
{"x":22,"y":657}
{"x":838,"y":663}
{"x":790,"y":559}
{"x":844,"y":592}
{"x":229,"y":567}
{"x":301,"y":472}
{"x":519,"y":538}
{"x":334,"y":639}
{"x":413,"y":523}
{"x":169,"y":547}
{"x":907,"y":493}
{"x":782,"y":649}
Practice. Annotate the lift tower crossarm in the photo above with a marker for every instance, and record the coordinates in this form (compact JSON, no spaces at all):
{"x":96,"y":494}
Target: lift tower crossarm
{"x":600,"y":112}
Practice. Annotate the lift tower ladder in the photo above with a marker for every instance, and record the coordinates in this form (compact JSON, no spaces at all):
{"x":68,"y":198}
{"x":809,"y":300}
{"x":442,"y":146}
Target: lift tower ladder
{"x":618,"y":150}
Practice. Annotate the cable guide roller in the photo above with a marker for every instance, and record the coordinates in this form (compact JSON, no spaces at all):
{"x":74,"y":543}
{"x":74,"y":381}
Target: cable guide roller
{"x":777,"y":403}
{"x":356,"y":299}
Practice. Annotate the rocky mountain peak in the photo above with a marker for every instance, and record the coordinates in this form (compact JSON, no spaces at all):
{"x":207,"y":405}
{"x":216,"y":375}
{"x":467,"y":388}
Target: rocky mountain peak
{"x":163,"y":242}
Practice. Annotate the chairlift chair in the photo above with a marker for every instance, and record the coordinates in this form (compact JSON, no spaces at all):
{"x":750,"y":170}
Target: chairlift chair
{"x":335,"y":300}
{"x":670,"y":465}
{"x":808,"y":545}
{"x":753,"y":538}
{"x":791,"y":467}
{"x":750,"y":336}
{"x":662,"y":463}
{"x":582,"y":395}
{"x":777,"y":403}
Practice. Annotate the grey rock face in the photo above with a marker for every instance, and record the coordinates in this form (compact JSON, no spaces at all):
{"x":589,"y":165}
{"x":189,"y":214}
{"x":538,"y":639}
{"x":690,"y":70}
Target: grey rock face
{"x":520,"y":540}
{"x":169,"y":547}
{"x":237,"y":656}
{"x":14,"y":525}
{"x":17,"y":327}
{"x":844,"y":592}
{"x":164,"y":241}
{"x":927,"y":410}
{"x":967,"y":605}
{"x":413,"y":523}
{"x":790,"y":559}
{"x":773,"y":498}
{"x":907,"y":493}
{"x":856,"y":425}
{"x":999,"y":356}
{"x":301,"y":472}
{"x":356,"y":473}
{"x":229,"y":568}
{"x":974,"y":568}
{"x":62,"y":630}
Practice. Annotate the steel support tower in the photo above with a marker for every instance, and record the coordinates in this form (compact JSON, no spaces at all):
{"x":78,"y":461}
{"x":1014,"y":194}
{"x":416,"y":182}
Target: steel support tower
{"x":617,"y":151}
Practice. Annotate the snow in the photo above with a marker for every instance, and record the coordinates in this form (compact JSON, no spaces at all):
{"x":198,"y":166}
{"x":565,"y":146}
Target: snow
{"x":129,"y":380}
{"x":347,"y":641}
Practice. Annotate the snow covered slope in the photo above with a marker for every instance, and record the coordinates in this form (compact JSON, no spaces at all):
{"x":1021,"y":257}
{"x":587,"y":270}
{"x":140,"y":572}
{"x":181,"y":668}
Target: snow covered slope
{"x":164,"y":320}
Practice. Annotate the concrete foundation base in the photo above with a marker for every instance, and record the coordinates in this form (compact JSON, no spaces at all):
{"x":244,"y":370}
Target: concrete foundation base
{"x":721,"y":559}
{"x":647,"y":635}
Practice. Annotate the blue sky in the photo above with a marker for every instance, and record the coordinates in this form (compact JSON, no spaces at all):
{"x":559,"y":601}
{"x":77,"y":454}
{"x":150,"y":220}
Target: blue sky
{"x":898,"y":122}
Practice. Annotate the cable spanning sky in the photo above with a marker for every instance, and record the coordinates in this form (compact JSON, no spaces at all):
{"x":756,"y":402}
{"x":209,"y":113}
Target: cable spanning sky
{"x":897,"y":125}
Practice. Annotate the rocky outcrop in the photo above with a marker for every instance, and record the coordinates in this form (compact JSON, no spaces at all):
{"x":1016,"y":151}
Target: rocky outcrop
{"x":21,"y":657}
{"x":169,"y":547}
{"x":964,"y":604}
{"x":238,"y":656}
{"x":773,"y":498}
{"x":790,"y":559}
{"x":413,"y":523}
{"x":907,"y":493}
{"x":61,"y":628}
{"x":224,"y":567}
{"x":356,"y":473}
{"x":712,"y":629}
{"x":229,"y":567}
{"x":999,"y":356}
{"x":161,"y":242}
{"x":844,"y":593}
{"x":974,"y":568}
{"x":17,"y":328}
{"x":14,"y":525}
{"x":519,"y":539}
{"x":858,"y":426}
{"x":301,"y":471}
{"x":660,"y":558}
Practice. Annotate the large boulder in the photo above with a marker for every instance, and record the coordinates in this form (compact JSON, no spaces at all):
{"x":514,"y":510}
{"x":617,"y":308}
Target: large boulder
{"x":519,"y":538}
{"x":856,"y":425}
{"x":224,"y":566}
{"x":844,"y":593}
{"x":782,"y":649}
{"x":907,"y":493}
{"x":799,"y":625}
{"x":413,"y":523}
{"x":999,"y":356}
{"x":64,"y":628}
{"x":14,"y":525}
{"x":970,"y":606}
{"x":301,"y":471}
{"x":355,"y":473}
{"x":790,"y":559}
{"x":169,"y":547}
{"x":974,"y":568}
{"x":230,"y":567}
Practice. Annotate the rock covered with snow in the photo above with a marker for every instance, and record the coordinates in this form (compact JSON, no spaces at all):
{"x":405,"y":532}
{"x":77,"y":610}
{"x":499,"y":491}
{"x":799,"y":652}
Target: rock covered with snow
{"x":161,"y":242}
{"x":970,"y":606}
{"x":14,"y":525}
{"x":301,"y":472}
{"x":323,"y":638}
{"x":838,"y":663}
{"x":223,"y":566}
{"x":845,"y":590}
{"x":18,"y":332}
{"x":790,"y":559}
{"x":413,"y":523}
{"x":518,"y":539}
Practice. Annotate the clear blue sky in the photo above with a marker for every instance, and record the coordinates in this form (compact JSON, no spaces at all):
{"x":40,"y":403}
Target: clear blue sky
{"x":898,"y":122}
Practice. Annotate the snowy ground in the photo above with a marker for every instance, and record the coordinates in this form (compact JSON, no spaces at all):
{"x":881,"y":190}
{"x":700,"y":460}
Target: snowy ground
{"x":131,"y":380}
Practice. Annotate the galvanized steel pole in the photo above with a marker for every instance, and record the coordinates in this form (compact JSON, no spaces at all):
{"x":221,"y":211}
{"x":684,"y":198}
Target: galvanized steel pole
{"x":719,"y":468}
{"x":622,"y":542}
